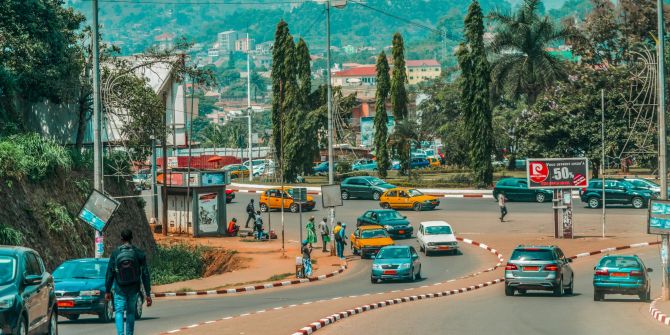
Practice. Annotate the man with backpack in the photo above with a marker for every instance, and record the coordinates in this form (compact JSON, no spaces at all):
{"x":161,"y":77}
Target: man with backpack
{"x":250,"y":211}
{"x":127,"y":272}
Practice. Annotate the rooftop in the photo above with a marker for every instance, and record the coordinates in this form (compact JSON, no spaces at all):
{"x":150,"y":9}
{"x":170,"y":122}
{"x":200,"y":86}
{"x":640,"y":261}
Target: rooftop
{"x":422,"y":62}
{"x":368,"y":70}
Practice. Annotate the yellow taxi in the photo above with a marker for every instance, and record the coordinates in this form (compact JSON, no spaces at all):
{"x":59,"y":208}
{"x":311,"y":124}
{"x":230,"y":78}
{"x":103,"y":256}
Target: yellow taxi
{"x":406,"y":198}
{"x":433,"y":161}
{"x":367,"y":240}
{"x":272,"y":199}
{"x":236,"y":170}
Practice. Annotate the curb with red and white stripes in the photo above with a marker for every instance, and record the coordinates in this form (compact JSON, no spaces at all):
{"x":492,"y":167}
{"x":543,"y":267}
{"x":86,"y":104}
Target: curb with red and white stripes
{"x":250,"y":288}
{"x":464,"y":195}
{"x":658,"y":314}
{"x":314,"y":326}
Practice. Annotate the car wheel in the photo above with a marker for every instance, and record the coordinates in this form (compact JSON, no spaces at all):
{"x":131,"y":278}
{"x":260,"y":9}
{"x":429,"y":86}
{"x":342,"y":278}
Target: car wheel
{"x":417,"y":206}
{"x":353,"y":250}
{"x":421,"y":248}
{"x":597,"y":296}
{"x":570,"y":288}
{"x":418,"y":274}
{"x":376,"y":195}
{"x":522,"y":291}
{"x":593,"y":202}
{"x":558,"y":290}
{"x":509,"y":291}
{"x":645,"y":296}
{"x":138,"y":307}
{"x":345,"y":195}
{"x":107,"y":314}
{"x":294,"y":208}
{"x":385,"y":205}
{"x":53,"y":323}
{"x":73,"y":317}
{"x":637,"y":202}
{"x":540,"y":197}
{"x":264,"y":208}
{"x":373,"y":280}
{"x":22,"y":329}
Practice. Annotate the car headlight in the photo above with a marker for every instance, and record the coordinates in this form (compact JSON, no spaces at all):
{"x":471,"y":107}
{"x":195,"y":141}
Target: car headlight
{"x":90,"y":293}
{"x":376,"y":266}
{"x":431,"y":244}
{"x":7,"y":301}
{"x":388,"y":227}
{"x":404,"y":266}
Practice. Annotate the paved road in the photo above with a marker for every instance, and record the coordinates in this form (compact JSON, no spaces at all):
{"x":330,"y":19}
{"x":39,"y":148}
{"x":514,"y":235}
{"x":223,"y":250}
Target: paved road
{"x":534,"y":313}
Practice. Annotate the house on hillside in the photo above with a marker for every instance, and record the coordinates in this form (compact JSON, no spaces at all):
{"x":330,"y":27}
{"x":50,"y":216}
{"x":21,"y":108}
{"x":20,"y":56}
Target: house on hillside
{"x":422,"y":70}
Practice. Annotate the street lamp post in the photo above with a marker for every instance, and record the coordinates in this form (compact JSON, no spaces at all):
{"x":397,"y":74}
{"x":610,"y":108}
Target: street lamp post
{"x":662,"y":154}
{"x":251,"y":165}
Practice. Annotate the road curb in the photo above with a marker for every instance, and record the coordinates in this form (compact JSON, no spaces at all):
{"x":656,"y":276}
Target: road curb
{"x":658,"y":314}
{"x":465,"y":195}
{"x":250,"y":288}
{"x":314,"y":326}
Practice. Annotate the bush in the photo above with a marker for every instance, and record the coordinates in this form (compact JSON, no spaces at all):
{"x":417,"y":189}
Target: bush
{"x":343,"y":167}
{"x":58,"y":217}
{"x":10,"y":236}
{"x":31,"y":156}
{"x":175,"y":263}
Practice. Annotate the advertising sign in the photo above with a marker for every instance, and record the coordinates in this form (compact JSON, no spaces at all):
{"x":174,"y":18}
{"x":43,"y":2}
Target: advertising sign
{"x":557,"y":172}
{"x":658,"y":221}
{"x":368,"y":131}
{"x":172,"y":162}
{"x":331,"y":196}
{"x":208,"y":214}
{"x":214,"y":179}
{"x":98,"y":209}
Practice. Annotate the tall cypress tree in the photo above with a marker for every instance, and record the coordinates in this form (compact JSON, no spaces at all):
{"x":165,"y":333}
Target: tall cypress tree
{"x":278,"y":83}
{"x":291,"y":109}
{"x":307,"y":145}
{"x":475,"y":95}
{"x":381,"y":130}
{"x":399,"y":78}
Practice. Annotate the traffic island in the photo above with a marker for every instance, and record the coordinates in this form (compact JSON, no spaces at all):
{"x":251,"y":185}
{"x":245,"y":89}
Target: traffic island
{"x":660,"y":311}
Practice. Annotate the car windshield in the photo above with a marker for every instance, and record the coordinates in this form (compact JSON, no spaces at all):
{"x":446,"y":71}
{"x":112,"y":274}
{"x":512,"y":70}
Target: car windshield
{"x":7,"y":269}
{"x":626,"y":184}
{"x":532,"y":255}
{"x":389,"y":215}
{"x":643,"y":183}
{"x":619,"y":262}
{"x":374,"y":233}
{"x":376,"y":181}
{"x":438,"y":230}
{"x":81,"y":270}
{"x":388,"y":253}
{"x":414,"y":193}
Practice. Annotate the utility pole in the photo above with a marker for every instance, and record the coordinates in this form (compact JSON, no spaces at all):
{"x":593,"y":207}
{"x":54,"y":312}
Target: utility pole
{"x":331,"y":177}
{"x":97,"y":123}
{"x":662,"y":163}
{"x":602,"y":158}
{"x":154,"y":188}
{"x":251,"y":165}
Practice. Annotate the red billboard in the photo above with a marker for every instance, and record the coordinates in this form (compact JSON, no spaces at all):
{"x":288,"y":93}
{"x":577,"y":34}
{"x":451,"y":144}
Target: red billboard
{"x":557,"y":172}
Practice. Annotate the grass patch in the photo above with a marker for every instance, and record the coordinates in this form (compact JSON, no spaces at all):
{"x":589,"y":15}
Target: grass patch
{"x":280,"y":276}
{"x":176,"y":263}
{"x":10,"y":236}
{"x":31,"y":156}
{"x":57,"y":216}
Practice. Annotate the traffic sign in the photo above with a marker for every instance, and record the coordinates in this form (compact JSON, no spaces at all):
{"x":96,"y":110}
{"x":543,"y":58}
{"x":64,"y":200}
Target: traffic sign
{"x":658,"y":218}
{"x":98,"y":209}
{"x":557,"y":172}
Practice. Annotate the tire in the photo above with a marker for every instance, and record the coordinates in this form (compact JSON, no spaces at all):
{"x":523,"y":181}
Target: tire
{"x":418,"y":275}
{"x":353,"y":250}
{"x":139,"y":307}
{"x":385,"y":205}
{"x":571,"y":288}
{"x":345,"y":195}
{"x":593,"y":202}
{"x":107,"y":314}
{"x":417,"y":206}
{"x":293,"y":208}
{"x":73,"y":317}
{"x":264,"y":208}
{"x":373,"y":281}
{"x":376,"y":196}
{"x":637,"y":202}
{"x":428,"y":253}
{"x":540,"y":197}
{"x":22,"y":328}
{"x":509,"y":291}
{"x":522,"y":291}
{"x":53,"y":323}
{"x":421,"y":248}
{"x":558,"y":290}
{"x":645,"y":296}
{"x":597,"y":296}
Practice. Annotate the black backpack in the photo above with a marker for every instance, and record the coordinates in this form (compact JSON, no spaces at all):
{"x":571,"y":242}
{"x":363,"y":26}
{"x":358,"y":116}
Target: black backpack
{"x":127,"y":266}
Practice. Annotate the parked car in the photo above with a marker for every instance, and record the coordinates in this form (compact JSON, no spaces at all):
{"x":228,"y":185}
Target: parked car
{"x":617,"y":191}
{"x":519,"y":164}
{"x":406,"y":198}
{"x":621,"y":274}
{"x":394,"y":223}
{"x":516,"y":189}
{"x":433,"y":161}
{"x":272,"y":199}
{"x":436,"y":236}
{"x":230,"y":195}
{"x":80,"y":289}
{"x":415,"y":163}
{"x":142,"y":179}
{"x":364,"y":165}
{"x":538,"y":268}
{"x":236,"y":170}
{"x":367,"y":240}
{"x":27,"y":295}
{"x":364,"y":187}
{"x":645,"y":184}
{"x":398,"y":262}
{"x":322,"y":168}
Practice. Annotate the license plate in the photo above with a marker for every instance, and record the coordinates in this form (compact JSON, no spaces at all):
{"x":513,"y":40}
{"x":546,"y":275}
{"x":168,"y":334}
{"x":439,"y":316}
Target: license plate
{"x":443,"y":248}
{"x":401,"y":231}
{"x":66,"y":303}
{"x":618,"y":274}
{"x":434,"y":202}
{"x":531,"y":268}
{"x":390,"y":272}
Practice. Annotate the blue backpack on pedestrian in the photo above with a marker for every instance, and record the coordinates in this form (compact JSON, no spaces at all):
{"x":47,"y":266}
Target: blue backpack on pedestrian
{"x":127,"y":266}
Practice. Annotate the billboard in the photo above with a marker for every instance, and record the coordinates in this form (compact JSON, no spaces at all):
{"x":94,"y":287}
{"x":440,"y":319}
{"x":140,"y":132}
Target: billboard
{"x":215,"y":178}
{"x":98,"y":209}
{"x":368,"y":131}
{"x":557,"y":172}
{"x":331,"y":195}
{"x":658,"y":220}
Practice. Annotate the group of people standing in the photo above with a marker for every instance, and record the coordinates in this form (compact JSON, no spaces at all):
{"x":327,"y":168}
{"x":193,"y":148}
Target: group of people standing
{"x":339,"y":233}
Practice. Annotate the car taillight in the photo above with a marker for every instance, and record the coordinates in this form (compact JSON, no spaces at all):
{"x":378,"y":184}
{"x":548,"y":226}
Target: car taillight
{"x":602,"y":272}
{"x":511,"y":267}
{"x":584,"y":190}
{"x":636,"y":273}
{"x":551,"y":267}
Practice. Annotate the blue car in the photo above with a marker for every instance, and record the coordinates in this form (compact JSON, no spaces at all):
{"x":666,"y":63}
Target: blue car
{"x":80,"y":289}
{"x":322,"y":168}
{"x":621,"y":274}
{"x":364,"y":165}
{"x":396,"y":262}
{"x":416,"y":163}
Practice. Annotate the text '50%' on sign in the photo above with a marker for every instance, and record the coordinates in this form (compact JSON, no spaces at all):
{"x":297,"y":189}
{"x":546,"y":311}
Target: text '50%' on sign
{"x":557,"y":172}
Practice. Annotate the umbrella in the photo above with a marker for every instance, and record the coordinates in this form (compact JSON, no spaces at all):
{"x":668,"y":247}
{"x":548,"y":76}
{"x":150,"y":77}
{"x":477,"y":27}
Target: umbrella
{"x":215,"y":159}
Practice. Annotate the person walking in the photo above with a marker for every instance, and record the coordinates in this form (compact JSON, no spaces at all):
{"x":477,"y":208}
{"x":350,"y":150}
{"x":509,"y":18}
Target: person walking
{"x":127,"y":273}
{"x":258,"y":225}
{"x":250,"y":211}
{"x":502,"y":200}
{"x":311,"y":231}
{"x":325,"y":233}
{"x":306,"y":259}
{"x":340,"y":236}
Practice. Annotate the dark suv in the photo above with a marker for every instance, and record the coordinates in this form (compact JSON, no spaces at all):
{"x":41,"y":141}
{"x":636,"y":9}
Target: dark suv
{"x":516,"y":189}
{"x":364,"y":187}
{"x":617,"y":191}
{"x":538,"y":268}
{"x":27,"y":298}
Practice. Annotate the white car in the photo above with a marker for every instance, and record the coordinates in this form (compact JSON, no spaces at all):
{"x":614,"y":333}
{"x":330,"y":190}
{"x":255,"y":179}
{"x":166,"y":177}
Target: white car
{"x":436,"y":236}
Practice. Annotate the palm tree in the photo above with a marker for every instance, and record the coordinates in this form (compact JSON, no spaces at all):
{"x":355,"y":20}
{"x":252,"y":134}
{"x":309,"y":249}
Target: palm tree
{"x":404,"y":134}
{"x":524,"y":67}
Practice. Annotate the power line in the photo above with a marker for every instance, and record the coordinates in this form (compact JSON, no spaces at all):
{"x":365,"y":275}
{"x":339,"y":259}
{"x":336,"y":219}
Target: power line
{"x":414,"y":23}
{"x":189,"y":3}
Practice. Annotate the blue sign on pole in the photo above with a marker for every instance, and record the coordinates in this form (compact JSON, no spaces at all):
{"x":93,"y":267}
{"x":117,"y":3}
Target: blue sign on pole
{"x":98,"y":209}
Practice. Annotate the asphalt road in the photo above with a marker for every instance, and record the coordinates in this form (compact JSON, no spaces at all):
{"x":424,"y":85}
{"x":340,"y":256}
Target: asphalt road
{"x":491,"y":312}
{"x":171,"y":314}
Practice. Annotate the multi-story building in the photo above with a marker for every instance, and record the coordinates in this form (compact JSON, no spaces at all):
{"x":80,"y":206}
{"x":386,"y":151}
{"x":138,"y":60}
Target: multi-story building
{"x":356,"y":76}
{"x":165,"y":41}
{"x":245,"y":44}
{"x":422,"y":70}
{"x":227,"y":41}
{"x":264,"y":48}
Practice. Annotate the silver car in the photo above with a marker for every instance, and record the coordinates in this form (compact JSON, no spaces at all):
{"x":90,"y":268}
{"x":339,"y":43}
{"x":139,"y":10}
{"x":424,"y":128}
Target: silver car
{"x":538,"y":268}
